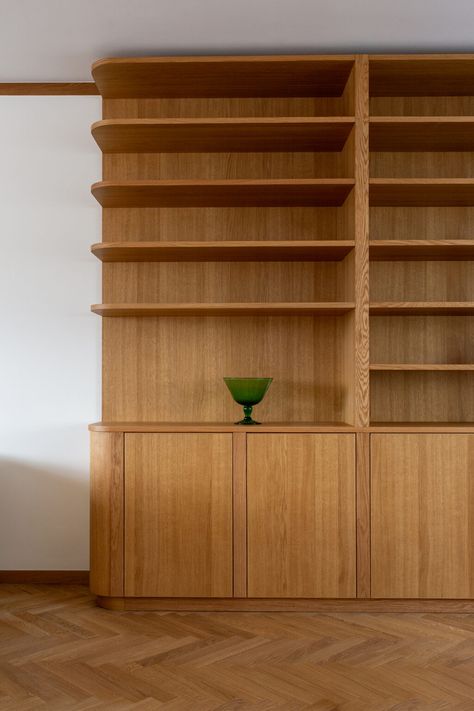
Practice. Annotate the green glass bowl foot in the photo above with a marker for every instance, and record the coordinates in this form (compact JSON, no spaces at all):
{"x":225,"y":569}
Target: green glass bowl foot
{"x":247,"y":421}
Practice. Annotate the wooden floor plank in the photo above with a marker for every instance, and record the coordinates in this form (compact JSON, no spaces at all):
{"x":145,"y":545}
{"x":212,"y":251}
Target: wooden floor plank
{"x":60,"y":651}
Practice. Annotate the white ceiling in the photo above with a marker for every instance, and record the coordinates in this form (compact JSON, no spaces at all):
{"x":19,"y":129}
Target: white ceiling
{"x":57,"y":40}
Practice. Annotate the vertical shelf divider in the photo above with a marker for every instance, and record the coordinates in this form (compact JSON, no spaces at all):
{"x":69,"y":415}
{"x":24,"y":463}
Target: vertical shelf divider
{"x":361,"y":228}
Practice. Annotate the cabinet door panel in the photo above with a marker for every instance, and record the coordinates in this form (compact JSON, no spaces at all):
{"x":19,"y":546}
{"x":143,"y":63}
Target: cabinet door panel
{"x":178,"y":515}
{"x":422,"y":515}
{"x":301,"y":515}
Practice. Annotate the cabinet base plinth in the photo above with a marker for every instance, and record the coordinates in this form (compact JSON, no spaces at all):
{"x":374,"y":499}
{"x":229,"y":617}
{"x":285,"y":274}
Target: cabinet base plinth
{"x":282,"y":605}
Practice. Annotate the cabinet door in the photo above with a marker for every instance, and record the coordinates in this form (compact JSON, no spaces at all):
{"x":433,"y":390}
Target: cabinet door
{"x":301,"y":515}
{"x":178,"y":515}
{"x":422,"y":515}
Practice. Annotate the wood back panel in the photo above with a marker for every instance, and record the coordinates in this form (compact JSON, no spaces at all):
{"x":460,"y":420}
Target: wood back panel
{"x":171,"y":369}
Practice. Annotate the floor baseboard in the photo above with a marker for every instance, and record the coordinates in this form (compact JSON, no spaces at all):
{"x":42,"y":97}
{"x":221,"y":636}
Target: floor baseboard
{"x":45,"y":577}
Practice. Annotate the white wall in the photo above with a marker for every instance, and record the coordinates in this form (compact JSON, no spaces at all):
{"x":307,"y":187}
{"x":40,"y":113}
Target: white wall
{"x":49,"y":340}
{"x":55,"y":40}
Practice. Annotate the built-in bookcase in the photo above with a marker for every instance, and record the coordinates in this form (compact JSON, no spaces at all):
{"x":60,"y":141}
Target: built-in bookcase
{"x":421,"y":239}
{"x":242,"y":198}
{"x":228,"y":236}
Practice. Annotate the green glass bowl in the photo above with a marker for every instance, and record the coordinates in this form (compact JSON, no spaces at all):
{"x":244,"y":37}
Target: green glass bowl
{"x":248,"y":392}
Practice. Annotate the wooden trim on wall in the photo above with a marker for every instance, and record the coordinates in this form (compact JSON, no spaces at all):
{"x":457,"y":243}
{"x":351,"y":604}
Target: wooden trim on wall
{"x":82,"y":88}
{"x":44,"y":577}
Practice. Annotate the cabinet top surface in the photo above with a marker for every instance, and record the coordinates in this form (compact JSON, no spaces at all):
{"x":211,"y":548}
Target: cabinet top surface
{"x":328,"y":427}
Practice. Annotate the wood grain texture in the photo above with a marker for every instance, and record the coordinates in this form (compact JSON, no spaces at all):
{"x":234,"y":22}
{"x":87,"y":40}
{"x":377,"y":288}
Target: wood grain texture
{"x":243,"y":251}
{"x":422,"y":524}
{"x":422,"y":366}
{"x":421,"y":250}
{"x":178,"y":515}
{"x":59,"y":651}
{"x":221,"y":193}
{"x":421,"y":307}
{"x":294,"y":427}
{"x":106,"y":513}
{"x":418,"y":106}
{"x":436,"y":281}
{"x":239,"y":513}
{"x":422,"y":339}
{"x":301,"y":515}
{"x":226,"y":223}
{"x":222,"y":134}
{"x":421,"y":133}
{"x":421,"y":165}
{"x":265,"y":282}
{"x":231,"y":165}
{"x":361,"y":193}
{"x":363,"y":508}
{"x":184,"y":384}
{"x":422,"y":396}
{"x":422,"y":75}
{"x":419,"y":192}
{"x":297,"y":605}
{"x":231,"y":107}
{"x":424,"y":223}
{"x":420,"y":426}
{"x":213,"y":76}
{"x":219,"y":427}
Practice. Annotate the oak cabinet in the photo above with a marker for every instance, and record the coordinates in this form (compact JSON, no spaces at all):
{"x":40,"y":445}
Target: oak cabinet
{"x":422,"y":515}
{"x":301,"y":515}
{"x":178,"y":515}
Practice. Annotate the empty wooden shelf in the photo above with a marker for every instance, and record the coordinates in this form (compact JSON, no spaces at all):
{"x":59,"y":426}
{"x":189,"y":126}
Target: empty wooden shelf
{"x":221,"y":193}
{"x":422,"y":75}
{"x":222,"y":134}
{"x":414,"y":308}
{"x":421,"y":133}
{"x":274,"y":251}
{"x":418,"y":192}
{"x":242,"y":309}
{"x":423,"y":366}
{"x":241,"y":76}
{"x":421,"y":250}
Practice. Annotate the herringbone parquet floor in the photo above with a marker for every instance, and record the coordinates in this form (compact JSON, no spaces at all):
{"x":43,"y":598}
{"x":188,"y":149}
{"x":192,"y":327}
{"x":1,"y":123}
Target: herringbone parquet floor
{"x":59,"y":651}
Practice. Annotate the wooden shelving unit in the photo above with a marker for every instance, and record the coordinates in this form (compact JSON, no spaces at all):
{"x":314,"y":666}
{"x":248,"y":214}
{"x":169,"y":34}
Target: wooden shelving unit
{"x":328,"y":133}
{"x":244,"y":251}
{"x":310,"y":219}
{"x":421,"y":185}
